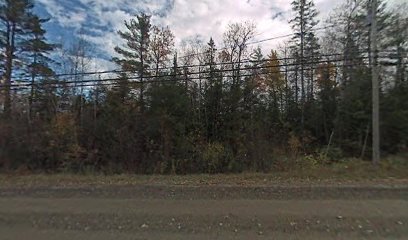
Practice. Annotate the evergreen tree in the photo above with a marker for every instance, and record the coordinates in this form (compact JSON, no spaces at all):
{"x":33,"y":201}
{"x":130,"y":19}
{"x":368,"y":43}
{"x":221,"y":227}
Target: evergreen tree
{"x":364,"y":19}
{"x":275,"y":81}
{"x":345,"y":35}
{"x":395,"y":102}
{"x":135,"y":55}
{"x":327,"y":97}
{"x":169,"y":111}
{"x":397,"y":44}
{"x":305,"y":46}
{"x":352,"y":115}
{"x":14,"y":16}
{"x":212,"y":95}
{"x":37,"y":49}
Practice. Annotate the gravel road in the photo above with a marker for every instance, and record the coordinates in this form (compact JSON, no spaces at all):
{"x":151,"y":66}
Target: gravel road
{"x":204,"y":212}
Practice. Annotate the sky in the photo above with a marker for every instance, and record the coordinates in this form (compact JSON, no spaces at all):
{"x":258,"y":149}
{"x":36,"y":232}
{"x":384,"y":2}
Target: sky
{"x":99,"y":20}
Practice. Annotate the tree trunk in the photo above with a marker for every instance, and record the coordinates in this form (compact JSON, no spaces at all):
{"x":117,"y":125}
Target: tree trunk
{"x":30,"y":100}
{"x":10,"y":45}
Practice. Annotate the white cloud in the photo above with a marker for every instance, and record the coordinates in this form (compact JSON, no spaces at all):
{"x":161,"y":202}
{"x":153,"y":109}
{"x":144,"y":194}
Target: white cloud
{"x":210,"y":18}
{"x":63,"y":17}
{"x":186,"y":18}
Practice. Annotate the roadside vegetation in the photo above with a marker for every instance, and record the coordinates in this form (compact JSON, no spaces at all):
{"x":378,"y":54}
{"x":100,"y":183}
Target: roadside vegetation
{"x":391,"y":171}
{"x":302,"y":110}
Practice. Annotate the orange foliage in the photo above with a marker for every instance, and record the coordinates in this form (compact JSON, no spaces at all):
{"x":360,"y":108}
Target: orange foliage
{"x":326,"y":75}
{"x":275,"y":78}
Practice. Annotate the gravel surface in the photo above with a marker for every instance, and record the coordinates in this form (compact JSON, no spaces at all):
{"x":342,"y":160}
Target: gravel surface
{"x":212,"y":192}
{"x":204,"y":212}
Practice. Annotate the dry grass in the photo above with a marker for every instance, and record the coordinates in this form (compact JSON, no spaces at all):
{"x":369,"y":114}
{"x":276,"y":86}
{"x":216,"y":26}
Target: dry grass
{"x":391,"y":171}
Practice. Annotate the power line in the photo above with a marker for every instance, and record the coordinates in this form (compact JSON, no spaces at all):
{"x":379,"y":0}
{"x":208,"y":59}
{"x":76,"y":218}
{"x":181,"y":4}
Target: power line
{"x":200,"y":72}
{"x":288,"y":35}
{"x":190,"y":79}
{"x":97,"y":81}
{"x":192,"y":65}
{"x":260,"y":41}
{"x":203,"y":72}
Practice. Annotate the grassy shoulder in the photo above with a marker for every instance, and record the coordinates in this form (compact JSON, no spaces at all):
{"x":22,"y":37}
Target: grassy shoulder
{"x":392,"y":171}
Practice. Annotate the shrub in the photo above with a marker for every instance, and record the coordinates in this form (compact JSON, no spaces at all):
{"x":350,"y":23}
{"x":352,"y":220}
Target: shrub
{"x":215,"y":156}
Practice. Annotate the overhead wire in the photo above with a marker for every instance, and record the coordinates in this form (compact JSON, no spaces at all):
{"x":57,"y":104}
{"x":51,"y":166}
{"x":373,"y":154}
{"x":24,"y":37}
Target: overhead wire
{"x":192,"y":65}
{"x":180,"y":57}
{"x":215,"y":71}
{"x":259,"y":41}
{"x":169,"y":78}
{"x":190,"y":80}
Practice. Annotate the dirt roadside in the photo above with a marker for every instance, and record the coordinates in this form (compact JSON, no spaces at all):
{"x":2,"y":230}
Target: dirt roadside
{"x":141,"y":211}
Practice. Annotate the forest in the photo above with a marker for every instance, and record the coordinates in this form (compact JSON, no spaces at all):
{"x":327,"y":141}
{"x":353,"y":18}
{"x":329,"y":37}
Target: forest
{"x":203,"y":106}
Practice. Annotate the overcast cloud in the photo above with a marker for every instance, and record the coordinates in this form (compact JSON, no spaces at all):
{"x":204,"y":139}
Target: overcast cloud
{"x":99,"y":20}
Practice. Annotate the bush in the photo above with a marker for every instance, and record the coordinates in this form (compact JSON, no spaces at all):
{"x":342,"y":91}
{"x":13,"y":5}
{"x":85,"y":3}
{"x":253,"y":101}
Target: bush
{"x":395,"y":162}
{"x":63,"y":151}
{"x":335,"y":154}
{"x":212,"y":156}
{"x":217,"y":158}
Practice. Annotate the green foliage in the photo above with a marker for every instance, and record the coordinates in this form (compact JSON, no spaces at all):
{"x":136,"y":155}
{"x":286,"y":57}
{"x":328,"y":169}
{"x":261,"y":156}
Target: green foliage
{"x":15,"y":17}
{"x":215,"y":157}
{"x":333,"y":154}
{"x":269,"y":113}
{"x":395,"y":119}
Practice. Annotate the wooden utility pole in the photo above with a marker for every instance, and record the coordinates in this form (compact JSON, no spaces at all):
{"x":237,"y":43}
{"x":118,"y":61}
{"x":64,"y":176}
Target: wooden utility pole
{"x":376,"y":85}
{"x":302,"y":55}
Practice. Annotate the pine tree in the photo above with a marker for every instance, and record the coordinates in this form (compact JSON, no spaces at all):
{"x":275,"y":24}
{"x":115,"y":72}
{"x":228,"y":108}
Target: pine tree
{"x":169,"y":118}
{"x":364,"y":20}
{"x":254,"y":93}
{"x":135,"y":55}
{"x":275,"y":80}
{"x":135,"y":58}
{"x":345,"y":35}
{"x":304,"y":39}
{"x":327,"y":101}
{"x":37,"y":49}
{"x":305,"y":45}
{"x":394,"y":109}
{"x":14,"y":16}
{"x":397,"y":43}
{"x":212,"y":94}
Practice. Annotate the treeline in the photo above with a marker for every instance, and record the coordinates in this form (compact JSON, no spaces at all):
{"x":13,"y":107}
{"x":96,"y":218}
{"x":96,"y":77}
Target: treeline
{"x":206,"y":107}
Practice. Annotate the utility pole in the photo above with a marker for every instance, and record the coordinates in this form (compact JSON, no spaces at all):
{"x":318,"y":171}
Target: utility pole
{"x":376,"y":85}
{"x":302,"y":66}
